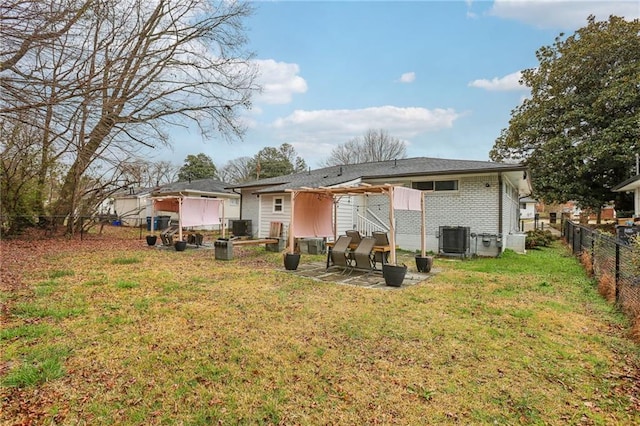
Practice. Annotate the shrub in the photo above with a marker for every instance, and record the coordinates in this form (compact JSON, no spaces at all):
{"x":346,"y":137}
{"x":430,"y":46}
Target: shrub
{"x":538,"y":238}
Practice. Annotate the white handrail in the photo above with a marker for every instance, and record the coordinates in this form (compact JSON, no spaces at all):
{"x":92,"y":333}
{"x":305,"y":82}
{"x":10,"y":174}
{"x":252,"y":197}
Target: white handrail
{"x":367,"y":226}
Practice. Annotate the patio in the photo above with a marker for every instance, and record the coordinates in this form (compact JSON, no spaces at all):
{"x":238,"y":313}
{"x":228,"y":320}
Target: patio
{"x":318,"y":271}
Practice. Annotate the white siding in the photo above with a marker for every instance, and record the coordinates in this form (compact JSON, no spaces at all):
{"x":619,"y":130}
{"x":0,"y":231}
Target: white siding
{"x":251,"y":210}
{"x":345,"y":214}
{"x":131,"y":210}
{"x":529,"y":211}
{"x":267,"y":215}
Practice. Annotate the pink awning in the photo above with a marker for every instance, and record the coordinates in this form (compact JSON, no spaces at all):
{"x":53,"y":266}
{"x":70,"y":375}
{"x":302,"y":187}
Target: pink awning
{"x":313,"y":213}
{"x":200,"y":211}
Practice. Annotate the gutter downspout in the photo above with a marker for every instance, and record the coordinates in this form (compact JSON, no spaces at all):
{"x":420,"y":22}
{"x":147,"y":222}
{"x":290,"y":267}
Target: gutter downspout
{"x":500,"y":207}
{"x":180,"y":216}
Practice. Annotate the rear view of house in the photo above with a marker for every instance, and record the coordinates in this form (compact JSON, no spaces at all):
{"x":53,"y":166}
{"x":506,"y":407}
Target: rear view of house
{"x":471,"y":207}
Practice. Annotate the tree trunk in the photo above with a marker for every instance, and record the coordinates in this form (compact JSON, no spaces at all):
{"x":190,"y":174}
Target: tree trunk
{"x":68,"y":202}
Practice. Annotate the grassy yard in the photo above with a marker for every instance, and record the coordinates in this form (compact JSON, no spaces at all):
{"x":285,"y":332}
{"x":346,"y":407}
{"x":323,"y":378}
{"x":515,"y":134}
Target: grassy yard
{"x":118,"y":333}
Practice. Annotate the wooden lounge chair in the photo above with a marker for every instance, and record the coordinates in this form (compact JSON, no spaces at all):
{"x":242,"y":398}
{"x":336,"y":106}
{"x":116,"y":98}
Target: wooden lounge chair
{"x":361,"y":256}
{"x":340,"y":252}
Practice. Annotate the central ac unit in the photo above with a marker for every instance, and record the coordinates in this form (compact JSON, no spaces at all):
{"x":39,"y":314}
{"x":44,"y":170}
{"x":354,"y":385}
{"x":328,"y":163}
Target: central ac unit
{"x":455,"y":240}
{"x":241,"y":228}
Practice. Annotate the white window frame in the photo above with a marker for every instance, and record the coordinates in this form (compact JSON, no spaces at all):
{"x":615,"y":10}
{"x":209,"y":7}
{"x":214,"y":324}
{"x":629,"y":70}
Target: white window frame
{"x":278,"y":202}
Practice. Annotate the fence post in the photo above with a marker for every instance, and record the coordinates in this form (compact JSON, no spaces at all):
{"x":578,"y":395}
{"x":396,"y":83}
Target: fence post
{"x":593,"y":251}
{"x":617,"y":272}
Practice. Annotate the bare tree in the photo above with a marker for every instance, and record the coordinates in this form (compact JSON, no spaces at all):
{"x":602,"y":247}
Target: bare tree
{"x":374,"y":145}
{"x":113,"y":76}
{"x":238,"y":170}
{"x":25,"y":24}
{"x":147,"y":174}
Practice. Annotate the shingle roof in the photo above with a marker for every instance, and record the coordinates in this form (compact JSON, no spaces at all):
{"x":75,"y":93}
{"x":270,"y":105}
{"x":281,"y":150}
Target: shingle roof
{"x":417,"y":166}
{"x":200,"y":185}
{"x":625,"y":183}
{"x":132,"y":192}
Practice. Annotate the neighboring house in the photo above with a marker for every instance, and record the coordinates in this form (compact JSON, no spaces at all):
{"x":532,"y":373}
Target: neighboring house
{"x":528,"y":208}
{"x":631,"y":185}
{"x":130,"y":205}
{"x":478,"y":198}
{"x":206,"y":188}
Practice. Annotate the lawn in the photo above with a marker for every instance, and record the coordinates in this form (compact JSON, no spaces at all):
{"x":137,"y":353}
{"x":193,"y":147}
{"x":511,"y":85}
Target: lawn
{"x":109,"y":331}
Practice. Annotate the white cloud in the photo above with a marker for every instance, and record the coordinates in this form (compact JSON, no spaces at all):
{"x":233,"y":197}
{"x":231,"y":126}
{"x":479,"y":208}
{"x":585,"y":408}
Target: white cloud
{"x":315,"y":133}
{"x":507,"y":83}
{"x":562,"y":14}
{"x":408,"y":77}
{"x":279,"y":81}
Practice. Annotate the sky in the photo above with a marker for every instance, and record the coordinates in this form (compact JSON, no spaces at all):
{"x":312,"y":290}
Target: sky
{"x":440,"y":75}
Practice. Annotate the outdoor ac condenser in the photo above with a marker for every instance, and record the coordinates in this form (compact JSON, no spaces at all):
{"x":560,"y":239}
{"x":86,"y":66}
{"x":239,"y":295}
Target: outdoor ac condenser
{"x":455,"y":240}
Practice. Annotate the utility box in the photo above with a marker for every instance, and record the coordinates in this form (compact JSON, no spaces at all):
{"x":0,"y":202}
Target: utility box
{"x":223,"y":249}
{"x":315,"y":246}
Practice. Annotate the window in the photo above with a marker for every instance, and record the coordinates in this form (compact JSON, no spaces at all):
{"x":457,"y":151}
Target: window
{"x":423,"y":186}
{"x":277,"y":205}
{"x":436,"y":185}
{"x":446,"y":185}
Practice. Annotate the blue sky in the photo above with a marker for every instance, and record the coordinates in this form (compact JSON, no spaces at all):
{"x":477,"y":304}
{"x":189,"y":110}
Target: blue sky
{"x":440,"y":75}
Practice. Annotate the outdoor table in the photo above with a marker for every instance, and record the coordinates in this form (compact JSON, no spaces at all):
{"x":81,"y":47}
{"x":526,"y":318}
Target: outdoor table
{"x":385,"y":249}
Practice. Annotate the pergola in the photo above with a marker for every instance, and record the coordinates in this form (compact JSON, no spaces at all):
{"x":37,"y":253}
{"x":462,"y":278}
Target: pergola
{"x":192,"y":211}
{"x":400,"y":198}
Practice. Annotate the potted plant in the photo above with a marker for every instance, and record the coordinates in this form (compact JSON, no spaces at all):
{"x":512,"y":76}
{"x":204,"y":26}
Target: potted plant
{"x":180,"y":245}
{"x":394,"y":274}
{"x":291,"y":261}
{"x":152,"y":239}
{"x":424,"y":263}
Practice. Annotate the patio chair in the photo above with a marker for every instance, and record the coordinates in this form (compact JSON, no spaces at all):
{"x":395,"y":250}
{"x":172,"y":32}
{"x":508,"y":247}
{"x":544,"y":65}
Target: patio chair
{"x":381,"y":239}
{"x":355,"y":236}
{"x":362,"y":255}
{"x":340,"y":252}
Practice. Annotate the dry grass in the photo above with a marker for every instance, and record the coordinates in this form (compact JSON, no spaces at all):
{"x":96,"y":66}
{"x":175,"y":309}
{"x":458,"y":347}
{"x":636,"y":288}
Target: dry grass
{"x":607,"y":287}
{"x":587,"y":262}
{"x":147,"y":336}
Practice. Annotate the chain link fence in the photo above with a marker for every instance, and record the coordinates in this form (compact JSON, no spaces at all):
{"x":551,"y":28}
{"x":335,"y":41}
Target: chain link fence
{"x":611,"y":261}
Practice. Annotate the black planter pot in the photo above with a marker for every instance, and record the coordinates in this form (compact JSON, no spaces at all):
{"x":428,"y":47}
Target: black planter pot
{"x":151,"y":240}
{"x":180,"y":245}
{"x":424,"y":264}
{"x":394,"y":274}
{"x":291,"y":261}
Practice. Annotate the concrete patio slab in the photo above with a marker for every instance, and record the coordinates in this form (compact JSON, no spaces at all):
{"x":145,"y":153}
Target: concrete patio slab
{"x":319,"y":272}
